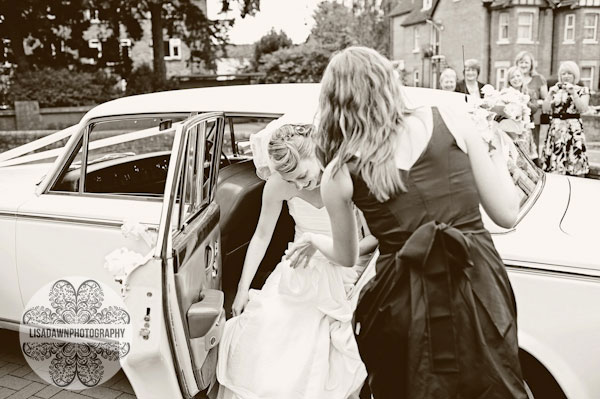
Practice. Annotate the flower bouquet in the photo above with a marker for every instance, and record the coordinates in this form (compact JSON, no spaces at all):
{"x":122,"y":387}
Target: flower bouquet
{"x":501,"y":111}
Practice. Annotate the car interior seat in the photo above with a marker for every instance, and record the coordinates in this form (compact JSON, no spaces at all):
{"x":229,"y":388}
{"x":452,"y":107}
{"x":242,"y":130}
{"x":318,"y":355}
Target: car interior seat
{"x":239,"y":195}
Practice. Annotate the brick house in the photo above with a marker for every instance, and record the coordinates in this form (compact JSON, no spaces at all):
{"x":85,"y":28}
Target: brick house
{"x":177,"y":53}
{"x":428,"y":35}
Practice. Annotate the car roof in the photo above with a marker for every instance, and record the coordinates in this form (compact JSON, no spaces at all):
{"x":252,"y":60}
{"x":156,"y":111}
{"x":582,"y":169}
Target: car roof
{"x":255,"y":99}
{"x":288,"y":98}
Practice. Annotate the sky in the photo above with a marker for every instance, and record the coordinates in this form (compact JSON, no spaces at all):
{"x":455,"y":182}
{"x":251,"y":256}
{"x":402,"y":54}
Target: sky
{"x":294,"y":17}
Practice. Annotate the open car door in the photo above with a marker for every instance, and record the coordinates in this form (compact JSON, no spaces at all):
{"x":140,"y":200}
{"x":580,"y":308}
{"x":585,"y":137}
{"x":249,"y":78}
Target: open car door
{"x":189,"y":247}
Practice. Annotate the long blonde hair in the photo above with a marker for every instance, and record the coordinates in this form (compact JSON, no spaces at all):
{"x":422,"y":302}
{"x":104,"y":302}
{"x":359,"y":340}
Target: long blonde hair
{"x":361,"y":113}
{"x":289,"y":145}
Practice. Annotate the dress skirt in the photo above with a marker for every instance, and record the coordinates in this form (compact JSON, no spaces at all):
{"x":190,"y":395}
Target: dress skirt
{"x":439,"y":320}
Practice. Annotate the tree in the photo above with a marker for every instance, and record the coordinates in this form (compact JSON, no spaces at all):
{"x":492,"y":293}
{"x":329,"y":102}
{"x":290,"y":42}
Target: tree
{"x":270,"y":43}
{"x":336,"y":27}
{"x":298,"y":64}
{"x":47,"y":25}
{"x":186,"y":17}
{"x":53,"y":24}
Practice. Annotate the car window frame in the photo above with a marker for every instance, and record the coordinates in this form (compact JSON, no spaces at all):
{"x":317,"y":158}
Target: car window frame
{"x":83,"y":135}
{"x":229,"y":116}
{"x":166,"y":235}
{"x":537,"y":191}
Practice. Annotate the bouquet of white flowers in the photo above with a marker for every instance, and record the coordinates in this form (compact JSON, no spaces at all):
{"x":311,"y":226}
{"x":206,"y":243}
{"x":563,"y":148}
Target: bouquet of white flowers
{"x":505,"y":110}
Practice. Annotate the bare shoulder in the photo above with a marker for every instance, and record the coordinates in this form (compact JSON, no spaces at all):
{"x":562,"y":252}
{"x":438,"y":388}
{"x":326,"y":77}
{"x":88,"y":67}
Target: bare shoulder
{"x":337,"y":181}
{"x":277,"y":189}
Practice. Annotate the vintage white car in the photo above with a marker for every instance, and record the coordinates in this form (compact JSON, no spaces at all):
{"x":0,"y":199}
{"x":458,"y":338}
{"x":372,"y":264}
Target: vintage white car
{"x":172,"y":163}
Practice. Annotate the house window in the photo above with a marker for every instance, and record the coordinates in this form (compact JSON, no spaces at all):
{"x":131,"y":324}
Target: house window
{"x":503,"y":27}
{"x":569,"y":28}
{"x":501,"y":78}
{"x":587,"y":76}
{"x":172,"y":49}
{"x":590,"y":28}
{"x":415,"y":40}
{"x":525,"y":27}
{"x":91,"y":15}
{"x":416,"y":78}
{"x":125,"y":47}
{"x":435,"y":40}
{"x":426,"y":4}
{"x":96,"y":44}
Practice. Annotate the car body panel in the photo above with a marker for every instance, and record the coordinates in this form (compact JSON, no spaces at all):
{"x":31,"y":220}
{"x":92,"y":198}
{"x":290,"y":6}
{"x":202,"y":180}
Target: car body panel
{"x":556,"y":338}
{"x":73,"y":221}
{"x":583,"y":205}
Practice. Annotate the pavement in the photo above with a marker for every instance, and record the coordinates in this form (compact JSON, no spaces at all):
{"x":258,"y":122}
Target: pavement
{"x":18,"y":381}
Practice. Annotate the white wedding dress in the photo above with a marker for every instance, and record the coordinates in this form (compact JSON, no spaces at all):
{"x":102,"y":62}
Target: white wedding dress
{"x":294,"y":340}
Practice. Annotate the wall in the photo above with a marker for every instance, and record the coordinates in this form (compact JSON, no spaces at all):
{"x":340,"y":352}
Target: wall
{"x":26,"y":118}
{"x":503,"y":53}
{"x":585,"y":54}
{"x":464,"y":25}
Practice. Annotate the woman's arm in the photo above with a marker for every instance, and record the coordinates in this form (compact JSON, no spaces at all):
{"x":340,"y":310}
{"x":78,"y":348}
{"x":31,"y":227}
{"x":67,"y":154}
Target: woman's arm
{"x":492,"y":179}
{"x":546,"y":105}
{"x":580,"y":102}
{"x":367,"y":245}
{"x":274,"y":193}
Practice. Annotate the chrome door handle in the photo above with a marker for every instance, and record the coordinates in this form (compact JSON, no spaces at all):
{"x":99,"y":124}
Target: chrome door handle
{"x":211,"y":259}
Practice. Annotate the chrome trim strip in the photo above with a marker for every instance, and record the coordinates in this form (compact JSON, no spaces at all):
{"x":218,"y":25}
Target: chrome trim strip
{"x":108,"y":195}
{"x":77,"y":220}
{"x":8,"y":214}
{"x":11,"y":325}
{"x":60,"y":163}
{"x":84,"y":158}
{"x":511,"y":266}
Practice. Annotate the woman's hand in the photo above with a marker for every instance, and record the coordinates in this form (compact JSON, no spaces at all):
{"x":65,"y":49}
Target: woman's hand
{"x":571,"y":90}
{"x":300,"y":251}
{"x":240,"y":302}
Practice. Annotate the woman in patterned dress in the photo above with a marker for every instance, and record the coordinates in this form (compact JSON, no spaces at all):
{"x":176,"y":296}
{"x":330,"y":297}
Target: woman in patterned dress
{"x":564,"y":151}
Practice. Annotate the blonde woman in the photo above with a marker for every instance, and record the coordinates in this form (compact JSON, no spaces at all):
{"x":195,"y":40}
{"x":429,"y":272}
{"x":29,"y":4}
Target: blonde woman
{"x":514,"y":77}
{"x":439,"y":318}
{"x":293,"y":338}
{"x":564,"y":150}
{"x":536,"y":86}
{"x":448,"y":79}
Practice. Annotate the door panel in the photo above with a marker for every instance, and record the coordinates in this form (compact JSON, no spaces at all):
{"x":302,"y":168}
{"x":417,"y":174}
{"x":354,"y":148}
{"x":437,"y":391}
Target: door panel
{"x":197,"y":262}
{"x":190,"y":248}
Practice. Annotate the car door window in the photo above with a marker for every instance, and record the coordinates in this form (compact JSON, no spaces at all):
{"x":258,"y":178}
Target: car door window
{"x":200,"y":169}
{"x":125,"y":156}
{"x":238,"y":130}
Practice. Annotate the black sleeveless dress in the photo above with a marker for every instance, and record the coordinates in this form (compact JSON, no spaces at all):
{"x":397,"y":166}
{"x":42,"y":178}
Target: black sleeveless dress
{"x":439,"y":319}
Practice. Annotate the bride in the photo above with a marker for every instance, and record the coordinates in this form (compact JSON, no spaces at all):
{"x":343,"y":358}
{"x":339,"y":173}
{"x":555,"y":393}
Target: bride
{"x":293,"y":338}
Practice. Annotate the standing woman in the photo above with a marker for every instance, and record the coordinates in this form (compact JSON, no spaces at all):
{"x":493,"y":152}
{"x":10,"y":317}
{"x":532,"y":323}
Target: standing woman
{"x":525,"y":140}
{"x":471,"y":85}
{"x":439,"y":318}
{"x":564,"y":151}
{"x":536,"y":86}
